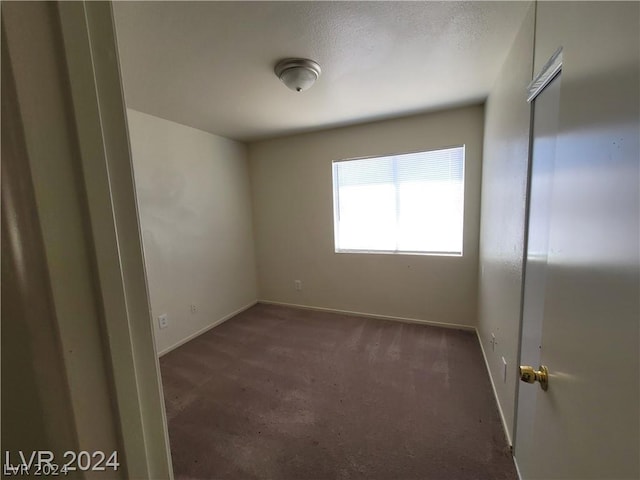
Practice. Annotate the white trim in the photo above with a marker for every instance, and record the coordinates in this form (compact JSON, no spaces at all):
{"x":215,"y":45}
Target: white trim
{"x":399,"y":252}
{"x":495,"y":394}
{"x":207,"y":328}
{"x":515,"y":462}
{"x":455,"y":326}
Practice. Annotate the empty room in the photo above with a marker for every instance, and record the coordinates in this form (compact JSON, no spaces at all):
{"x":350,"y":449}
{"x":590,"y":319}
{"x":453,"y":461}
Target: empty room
{"x":321,"y":240}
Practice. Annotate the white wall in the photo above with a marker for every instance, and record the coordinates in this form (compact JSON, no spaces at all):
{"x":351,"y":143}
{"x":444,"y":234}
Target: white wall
{"x":195,"y":212}
{"x":504,"y":190}
{"x":293,"y":222}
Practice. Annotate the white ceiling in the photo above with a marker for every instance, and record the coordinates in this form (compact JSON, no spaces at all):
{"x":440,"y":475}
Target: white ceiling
{"x":210,"y":64}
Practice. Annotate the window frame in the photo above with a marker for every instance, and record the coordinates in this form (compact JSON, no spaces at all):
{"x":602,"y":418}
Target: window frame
{"x":335,"y":199}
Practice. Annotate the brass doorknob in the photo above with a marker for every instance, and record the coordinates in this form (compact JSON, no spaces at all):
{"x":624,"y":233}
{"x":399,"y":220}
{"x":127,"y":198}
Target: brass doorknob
{"x":529,"y":375}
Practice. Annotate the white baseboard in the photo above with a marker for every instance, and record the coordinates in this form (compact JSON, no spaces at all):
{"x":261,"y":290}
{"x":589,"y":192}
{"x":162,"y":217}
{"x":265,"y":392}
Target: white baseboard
{"x":495,"y":393}
{"x":373,"y":315}
{"x":207,"y":328}
{"x":515,"y":462}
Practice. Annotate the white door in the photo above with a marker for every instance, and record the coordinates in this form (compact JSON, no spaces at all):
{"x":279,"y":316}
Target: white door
{"x":580,"y":302}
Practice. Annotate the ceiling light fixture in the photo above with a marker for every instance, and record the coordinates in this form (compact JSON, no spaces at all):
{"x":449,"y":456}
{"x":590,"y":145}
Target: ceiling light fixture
{"x":297,"y":73}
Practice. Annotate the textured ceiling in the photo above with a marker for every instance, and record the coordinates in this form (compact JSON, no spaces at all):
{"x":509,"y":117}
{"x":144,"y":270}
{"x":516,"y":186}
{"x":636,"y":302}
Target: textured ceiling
{"x":210,"y":64}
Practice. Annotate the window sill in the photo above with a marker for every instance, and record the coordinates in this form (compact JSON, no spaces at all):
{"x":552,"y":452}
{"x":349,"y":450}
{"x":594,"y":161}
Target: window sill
{"x":402,"y":252}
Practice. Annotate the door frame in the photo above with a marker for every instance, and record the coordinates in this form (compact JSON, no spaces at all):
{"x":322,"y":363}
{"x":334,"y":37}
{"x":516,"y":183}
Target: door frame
{"x":71,"y":109}
{"x":91,"y":50}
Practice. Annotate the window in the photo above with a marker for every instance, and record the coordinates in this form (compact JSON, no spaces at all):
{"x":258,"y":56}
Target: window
{"x":409,"y":203}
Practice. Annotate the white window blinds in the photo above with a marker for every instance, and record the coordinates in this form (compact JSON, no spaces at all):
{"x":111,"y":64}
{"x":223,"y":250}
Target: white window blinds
{"x":410,"y":203}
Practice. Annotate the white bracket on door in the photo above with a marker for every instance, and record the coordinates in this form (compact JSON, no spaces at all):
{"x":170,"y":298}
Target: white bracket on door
{"x":548,"y":73}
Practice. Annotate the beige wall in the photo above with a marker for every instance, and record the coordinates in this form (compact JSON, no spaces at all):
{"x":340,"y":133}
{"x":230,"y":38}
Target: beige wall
{"x":195,"y":212}
{"x":293,"y":222}
{"x":504,"y":189}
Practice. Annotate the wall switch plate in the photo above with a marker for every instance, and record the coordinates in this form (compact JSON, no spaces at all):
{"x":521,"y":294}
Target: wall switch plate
{"x":163,"y":321}
{"x":297,"y":284}
{"x":504,"y":370}
{"x":194,"y":309}
{"x":493,"y":342}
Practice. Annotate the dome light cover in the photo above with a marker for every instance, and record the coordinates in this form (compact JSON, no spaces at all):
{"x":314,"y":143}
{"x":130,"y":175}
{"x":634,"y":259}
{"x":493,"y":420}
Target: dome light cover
{"x":297,"y":73}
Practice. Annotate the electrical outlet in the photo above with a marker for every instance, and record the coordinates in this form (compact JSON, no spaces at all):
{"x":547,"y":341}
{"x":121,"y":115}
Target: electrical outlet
{"x":297,"y":284}
{"x":194,"y":309}
{"x":504,"y":371}
{"x":163,"y":321}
